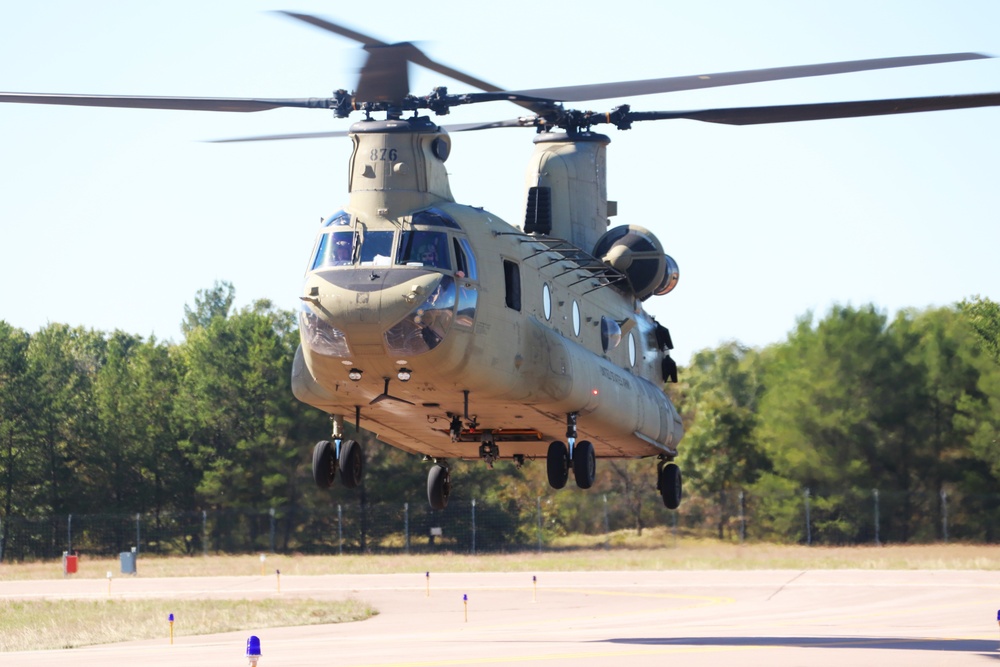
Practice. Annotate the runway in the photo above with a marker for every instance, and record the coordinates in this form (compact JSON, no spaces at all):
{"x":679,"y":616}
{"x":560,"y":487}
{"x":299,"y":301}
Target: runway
{"x":774,"y":618}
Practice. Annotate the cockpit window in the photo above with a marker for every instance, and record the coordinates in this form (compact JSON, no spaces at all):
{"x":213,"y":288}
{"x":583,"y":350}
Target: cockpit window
{"x":338,"y":219}
{"x":376,"y":248}
{"x":423,"y":248}
{"x":466,"y":260}
{"x":334,"y":249}
{"x":434,"y":217}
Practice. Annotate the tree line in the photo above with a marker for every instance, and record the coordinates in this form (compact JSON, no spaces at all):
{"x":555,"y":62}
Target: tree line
{"x":100,"y":423}
{"x":849,"y":406}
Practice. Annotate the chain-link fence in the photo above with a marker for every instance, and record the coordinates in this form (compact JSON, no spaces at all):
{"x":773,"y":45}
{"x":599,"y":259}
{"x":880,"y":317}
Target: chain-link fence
{"x":470,"y":526}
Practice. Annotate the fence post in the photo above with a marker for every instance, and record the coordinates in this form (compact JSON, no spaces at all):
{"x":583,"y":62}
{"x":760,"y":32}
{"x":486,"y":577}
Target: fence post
{"x":137,"y":515}
{"x":809,"y":535}
{"x":878,"y":541}
{"x":340,"y":530}
{"x":538,"y":512}
{"x":944,"y":515}
{"x":204,"y":533}
{"x":673,"y":518}
{"x":473,"y":526}
{"x":406,"y":525}
{"x":69,"y":534}
{"x":743,"y":518}
{"x":607,"y":529}
{"x":271,"y":512}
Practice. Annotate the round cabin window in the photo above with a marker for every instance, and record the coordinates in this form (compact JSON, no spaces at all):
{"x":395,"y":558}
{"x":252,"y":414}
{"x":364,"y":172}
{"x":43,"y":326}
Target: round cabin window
{"x":546,"y":301}
{"x":576,"y":319}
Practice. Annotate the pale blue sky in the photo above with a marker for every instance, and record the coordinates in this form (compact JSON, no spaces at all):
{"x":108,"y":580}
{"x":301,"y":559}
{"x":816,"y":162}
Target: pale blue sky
{"x":115,"y":218}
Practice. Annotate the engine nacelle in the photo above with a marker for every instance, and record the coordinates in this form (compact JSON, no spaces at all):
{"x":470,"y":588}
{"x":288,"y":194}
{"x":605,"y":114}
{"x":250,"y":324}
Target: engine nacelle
{"x":636,"y":252}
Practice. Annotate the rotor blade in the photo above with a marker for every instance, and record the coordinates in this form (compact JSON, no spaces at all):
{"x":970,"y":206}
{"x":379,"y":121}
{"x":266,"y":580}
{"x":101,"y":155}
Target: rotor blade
{"x":600,"y":91}
{"x":825,"y":111}
{"x":385,"y":74}
{"x":282,"y":137}
{"x":175,"y":103}
{"x":472,"y":127}
{"x":456,"y":127}
{"x":343,"y":31}
{"x":415,"y":55}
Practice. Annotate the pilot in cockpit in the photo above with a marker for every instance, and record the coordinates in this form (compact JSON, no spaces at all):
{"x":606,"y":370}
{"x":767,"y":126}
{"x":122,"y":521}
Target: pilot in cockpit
{"x":428,"y":255}
{"x":342,"y":251}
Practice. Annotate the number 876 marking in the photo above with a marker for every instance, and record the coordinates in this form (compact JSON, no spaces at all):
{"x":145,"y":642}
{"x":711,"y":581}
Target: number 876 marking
{"x":383,"y":154}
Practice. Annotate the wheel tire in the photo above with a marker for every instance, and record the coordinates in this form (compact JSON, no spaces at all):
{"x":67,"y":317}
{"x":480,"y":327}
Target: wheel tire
{"x":584,"y":464}
{"x":438,"y":486}
{"x":352,"y":463}
{"x":669,"y":483}
{"x":324,"y":466}
{"x":557,"y":464}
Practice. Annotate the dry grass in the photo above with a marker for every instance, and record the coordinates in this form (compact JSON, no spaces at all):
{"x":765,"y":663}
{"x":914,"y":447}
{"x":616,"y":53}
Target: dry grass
{"x":653,"y":551}
{"x":42,"y":624}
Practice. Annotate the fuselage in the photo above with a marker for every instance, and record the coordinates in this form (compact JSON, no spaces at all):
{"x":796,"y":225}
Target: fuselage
{"x":502,"y":331}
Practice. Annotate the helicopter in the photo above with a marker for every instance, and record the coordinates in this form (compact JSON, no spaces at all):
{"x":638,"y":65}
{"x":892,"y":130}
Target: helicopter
{"x":447,"y":332}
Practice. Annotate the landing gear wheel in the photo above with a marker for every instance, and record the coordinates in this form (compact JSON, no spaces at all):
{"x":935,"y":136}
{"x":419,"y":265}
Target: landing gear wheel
{"x":438,"y":486}
{"x":668,"y":481}
{"x":324,"y":465}
{"x":557,"y":464}
{"x":584,"y":464}
{"x":352,"y":463}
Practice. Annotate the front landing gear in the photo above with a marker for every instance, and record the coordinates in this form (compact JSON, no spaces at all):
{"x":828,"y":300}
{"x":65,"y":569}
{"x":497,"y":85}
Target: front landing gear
{"x":438,"y":486}
{"x":347,"y":455}
{"x":324,"y":464}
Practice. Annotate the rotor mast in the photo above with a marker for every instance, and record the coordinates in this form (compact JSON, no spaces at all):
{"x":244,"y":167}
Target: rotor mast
{"x":566,"y":187}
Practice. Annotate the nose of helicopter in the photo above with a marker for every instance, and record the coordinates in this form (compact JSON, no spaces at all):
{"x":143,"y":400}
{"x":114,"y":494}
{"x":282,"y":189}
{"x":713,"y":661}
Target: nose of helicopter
{"x":363,"y":306}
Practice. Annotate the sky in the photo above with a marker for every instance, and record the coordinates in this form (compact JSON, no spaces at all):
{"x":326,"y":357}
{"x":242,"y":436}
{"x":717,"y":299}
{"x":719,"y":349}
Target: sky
{"x":115,"y":218}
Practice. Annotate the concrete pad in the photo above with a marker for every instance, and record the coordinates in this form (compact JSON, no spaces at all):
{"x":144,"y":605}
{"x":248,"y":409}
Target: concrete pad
{"x":766,"y":618}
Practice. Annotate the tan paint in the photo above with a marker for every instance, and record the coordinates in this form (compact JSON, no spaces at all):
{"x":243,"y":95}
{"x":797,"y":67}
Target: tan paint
{"x":521,"y":370}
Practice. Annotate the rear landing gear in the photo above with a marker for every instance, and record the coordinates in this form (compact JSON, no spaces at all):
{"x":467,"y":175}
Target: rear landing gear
{"x":584,"y":464}
{"x":579,"y":455}
{"x":668,"y":483}
{"x":557,"y":464}
{"x":438,"y":486}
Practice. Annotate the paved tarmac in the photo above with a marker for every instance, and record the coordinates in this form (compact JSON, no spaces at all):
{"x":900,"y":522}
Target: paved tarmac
{"x":771,"y":618}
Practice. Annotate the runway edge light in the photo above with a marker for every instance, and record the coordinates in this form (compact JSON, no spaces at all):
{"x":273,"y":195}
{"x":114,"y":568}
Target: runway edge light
{"x":253,"y":650}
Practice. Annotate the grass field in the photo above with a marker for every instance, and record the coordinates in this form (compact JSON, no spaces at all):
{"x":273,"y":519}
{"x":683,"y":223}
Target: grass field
{"x":686,"y":554}
{"x":32,"y":624}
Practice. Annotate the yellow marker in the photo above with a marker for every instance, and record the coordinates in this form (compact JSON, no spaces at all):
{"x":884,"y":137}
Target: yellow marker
{"x":278,"y":575}
{"x":534,"y":588}
{"x":170,"y":620}
{"x":428,"y":577}
{"x":465,"y":601}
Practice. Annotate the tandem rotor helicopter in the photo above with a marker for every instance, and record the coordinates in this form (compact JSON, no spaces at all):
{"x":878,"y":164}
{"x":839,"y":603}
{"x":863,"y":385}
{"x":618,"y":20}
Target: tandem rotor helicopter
{"x":447,"y":332}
